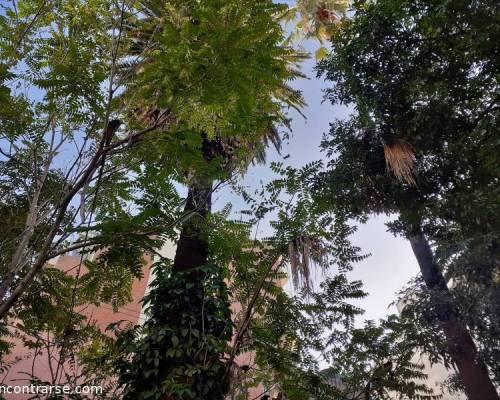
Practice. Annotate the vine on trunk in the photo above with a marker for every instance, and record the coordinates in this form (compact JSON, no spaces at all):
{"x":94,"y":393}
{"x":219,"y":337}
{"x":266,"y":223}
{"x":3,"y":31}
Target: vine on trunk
{"x":183,"y":341}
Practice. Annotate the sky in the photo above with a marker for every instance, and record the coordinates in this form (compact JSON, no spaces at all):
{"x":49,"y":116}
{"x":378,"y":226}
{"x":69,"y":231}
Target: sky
{"x":392,"y":263}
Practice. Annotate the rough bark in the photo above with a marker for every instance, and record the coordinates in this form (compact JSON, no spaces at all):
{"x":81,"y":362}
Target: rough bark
{"x":472,"y":371}
{"x":192,"y":246}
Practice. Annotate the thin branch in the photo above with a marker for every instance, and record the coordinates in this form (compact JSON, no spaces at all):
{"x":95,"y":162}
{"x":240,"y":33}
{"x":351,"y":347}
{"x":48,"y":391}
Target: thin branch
{"x":249,"y":314}
{"x":30,"y":25}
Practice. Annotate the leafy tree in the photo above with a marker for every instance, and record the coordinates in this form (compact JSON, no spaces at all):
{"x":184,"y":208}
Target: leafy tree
{"x":195,"y":91}
{"x":422,"y":78}
{"x":69,"y":180}
{"x":220,"y":69}
{"x":290,"y":334}
{"x":66,"y":184}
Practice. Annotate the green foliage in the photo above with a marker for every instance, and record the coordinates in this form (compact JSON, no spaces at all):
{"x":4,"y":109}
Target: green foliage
{"x":221,"y":70}
{"x":60,"y":48}
{"x":217,"y":66}
{"x":177,"y":351}
{"x":57,"y":81}
{"x":379,"y":361}
{"x":291,"y":335}
{"x":317,"y":17}
{"x":424,"y":73}
{"x":289,"y":331}
{"x":218,"y":71}
{"x":51,"y":329}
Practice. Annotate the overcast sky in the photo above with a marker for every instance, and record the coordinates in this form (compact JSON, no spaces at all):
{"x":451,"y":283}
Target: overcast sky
{"x":392,"y":263}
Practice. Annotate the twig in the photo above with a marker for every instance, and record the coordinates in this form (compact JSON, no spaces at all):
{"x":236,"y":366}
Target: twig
{"x":249,"y":314}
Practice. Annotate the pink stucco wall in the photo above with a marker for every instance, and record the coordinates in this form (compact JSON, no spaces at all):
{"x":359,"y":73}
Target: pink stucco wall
{"x":44,"y":364}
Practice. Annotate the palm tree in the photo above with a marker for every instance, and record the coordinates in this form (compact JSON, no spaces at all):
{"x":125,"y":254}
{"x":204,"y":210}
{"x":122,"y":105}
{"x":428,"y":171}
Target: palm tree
{"x":227,"y":103}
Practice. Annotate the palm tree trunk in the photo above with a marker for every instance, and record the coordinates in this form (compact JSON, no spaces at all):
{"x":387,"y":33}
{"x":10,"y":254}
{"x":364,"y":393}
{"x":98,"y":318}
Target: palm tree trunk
{"x":192,"y":246}
{"x":192,"y":252}
{"x":186,"y":317}
{"x":471,"y":369}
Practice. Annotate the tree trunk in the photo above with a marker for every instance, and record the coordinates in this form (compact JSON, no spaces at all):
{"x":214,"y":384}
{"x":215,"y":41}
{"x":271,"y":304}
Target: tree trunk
{"x":186,"y":317}
{"x":192,"y":246}
{"x":189,"y":307}
{"x":471,"y":369}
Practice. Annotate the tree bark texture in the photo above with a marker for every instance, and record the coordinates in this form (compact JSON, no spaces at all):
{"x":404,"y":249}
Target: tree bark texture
{"x":472,"y":371}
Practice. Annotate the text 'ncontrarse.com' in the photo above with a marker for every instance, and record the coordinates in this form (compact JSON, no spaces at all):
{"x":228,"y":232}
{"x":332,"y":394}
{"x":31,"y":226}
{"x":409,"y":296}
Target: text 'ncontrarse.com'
{"x":50,"y":389}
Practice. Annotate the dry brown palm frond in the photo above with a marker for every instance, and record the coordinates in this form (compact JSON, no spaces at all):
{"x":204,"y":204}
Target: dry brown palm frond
{"x":325,"y":15}
{"x":304,"y":253}
{"x":400,"y":159}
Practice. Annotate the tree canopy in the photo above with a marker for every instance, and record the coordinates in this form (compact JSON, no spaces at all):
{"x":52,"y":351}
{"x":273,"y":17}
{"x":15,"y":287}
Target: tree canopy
{"x":422,"y":143}
{"x":120,"y":121}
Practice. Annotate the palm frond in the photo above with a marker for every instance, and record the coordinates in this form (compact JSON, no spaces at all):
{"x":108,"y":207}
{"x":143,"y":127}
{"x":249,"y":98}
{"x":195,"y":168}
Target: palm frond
{"x":304,"y":253}
{"x":400,"y":159}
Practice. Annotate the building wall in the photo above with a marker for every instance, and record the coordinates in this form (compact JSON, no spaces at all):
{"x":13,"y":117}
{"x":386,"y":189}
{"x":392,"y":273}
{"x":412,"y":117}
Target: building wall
{"x":43,"y":364}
